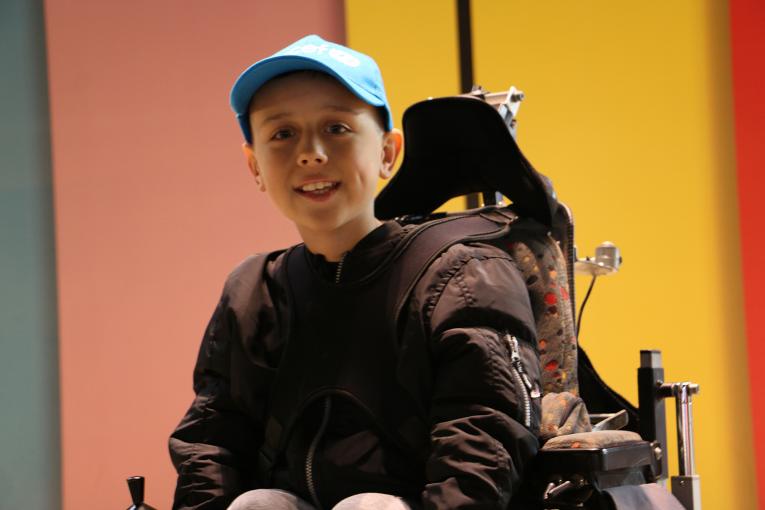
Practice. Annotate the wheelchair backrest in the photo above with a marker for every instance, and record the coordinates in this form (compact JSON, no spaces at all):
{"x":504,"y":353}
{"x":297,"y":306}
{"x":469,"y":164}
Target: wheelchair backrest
{"x":460,"y":145}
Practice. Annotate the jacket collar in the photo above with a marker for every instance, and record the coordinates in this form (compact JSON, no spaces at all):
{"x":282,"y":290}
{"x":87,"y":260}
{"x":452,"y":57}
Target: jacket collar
{"x":368,"y":253}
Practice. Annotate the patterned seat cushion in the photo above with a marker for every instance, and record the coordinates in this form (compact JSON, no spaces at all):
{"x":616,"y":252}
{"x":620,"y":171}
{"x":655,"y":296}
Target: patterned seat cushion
{"x":595,"y":439}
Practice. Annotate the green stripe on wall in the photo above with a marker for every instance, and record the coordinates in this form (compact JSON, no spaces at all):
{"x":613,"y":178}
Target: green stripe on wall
{"x":29,"y":427}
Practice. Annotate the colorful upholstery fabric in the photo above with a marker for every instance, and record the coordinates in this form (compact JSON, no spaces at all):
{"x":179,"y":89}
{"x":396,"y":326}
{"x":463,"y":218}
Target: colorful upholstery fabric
{"x":595,"y":439}
{"x":544,"y":269}
{"x":563,"y":413}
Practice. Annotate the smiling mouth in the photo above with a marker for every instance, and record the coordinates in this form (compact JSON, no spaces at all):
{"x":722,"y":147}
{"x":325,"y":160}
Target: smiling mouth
{"x":318,"y":188}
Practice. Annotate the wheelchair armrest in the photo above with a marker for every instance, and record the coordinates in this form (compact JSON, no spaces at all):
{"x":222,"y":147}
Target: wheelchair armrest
{"x":570,"y":468}
{"x":602,"y":450}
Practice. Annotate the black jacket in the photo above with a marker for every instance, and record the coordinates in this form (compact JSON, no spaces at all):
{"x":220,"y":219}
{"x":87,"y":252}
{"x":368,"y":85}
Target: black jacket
{"x":455,"y":359}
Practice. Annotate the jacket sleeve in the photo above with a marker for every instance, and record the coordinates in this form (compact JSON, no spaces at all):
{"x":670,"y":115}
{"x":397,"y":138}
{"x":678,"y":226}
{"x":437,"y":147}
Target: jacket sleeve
{"x":209,"y":446}
{"x":479,"y":443}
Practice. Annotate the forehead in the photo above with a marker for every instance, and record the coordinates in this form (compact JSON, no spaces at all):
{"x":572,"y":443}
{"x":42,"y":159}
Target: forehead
{"x":302,"y":87}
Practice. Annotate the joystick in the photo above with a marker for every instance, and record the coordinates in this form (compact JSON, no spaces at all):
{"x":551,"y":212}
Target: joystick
{"x":136,"y":486}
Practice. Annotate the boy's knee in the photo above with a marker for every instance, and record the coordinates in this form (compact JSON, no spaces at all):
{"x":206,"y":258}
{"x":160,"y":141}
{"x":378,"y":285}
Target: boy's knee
{"x":372,"y":501}
{"x":268,"y":499}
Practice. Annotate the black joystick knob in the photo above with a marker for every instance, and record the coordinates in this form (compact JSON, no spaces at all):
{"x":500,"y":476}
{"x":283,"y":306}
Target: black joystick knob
{"x":136,"y":486}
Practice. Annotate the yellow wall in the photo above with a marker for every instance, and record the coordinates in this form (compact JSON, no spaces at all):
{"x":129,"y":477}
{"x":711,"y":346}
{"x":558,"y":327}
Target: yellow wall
{"x":415,"y":45}
{"x":628,"y":110}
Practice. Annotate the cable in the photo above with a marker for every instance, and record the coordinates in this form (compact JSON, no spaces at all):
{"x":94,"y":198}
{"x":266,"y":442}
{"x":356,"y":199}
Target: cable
{"x":584,"y":302}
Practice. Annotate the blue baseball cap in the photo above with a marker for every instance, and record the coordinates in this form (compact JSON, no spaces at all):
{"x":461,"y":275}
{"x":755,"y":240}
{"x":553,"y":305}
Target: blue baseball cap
{"x":355,"y":70}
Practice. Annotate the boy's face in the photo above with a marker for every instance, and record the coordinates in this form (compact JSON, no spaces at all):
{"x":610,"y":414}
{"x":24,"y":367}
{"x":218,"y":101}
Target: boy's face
{"x":318,"y":152}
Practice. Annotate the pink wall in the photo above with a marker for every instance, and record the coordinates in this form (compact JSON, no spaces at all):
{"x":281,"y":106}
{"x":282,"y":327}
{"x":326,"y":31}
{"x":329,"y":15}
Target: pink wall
{"x":153,"y":207}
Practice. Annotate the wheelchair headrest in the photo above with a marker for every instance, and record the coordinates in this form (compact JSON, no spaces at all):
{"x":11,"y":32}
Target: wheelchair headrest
{"x":460,"y":145}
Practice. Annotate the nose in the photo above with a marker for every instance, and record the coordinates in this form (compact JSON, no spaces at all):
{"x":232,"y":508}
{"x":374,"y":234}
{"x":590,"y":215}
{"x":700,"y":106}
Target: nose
{"x":312,"y":152}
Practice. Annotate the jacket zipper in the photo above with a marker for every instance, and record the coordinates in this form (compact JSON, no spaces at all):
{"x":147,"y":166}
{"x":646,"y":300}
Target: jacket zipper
{"x":324,"y":421}
{"x":339,"y":269}
{"x":312,"y":453}
{"x":521,"y":378}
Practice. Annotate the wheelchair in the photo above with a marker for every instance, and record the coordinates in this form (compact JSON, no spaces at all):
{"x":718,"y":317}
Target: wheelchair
{"x":598,"y":450}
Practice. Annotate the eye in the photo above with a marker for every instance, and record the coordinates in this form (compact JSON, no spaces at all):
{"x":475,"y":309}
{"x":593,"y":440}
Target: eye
{"x":338,"y":129}
{"x":282,"y":134}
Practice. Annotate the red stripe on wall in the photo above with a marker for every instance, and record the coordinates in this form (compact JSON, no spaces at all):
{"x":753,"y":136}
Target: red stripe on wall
{"x":748,"y":47}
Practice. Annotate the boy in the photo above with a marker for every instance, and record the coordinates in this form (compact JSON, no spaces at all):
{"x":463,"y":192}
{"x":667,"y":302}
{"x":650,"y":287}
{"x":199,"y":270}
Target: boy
{"x":310,"y":392}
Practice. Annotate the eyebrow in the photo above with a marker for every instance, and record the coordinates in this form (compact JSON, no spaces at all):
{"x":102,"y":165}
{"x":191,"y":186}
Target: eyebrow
{"x":338,"y":108}
{"x":346,"y":109}
{"x":275,"y":116}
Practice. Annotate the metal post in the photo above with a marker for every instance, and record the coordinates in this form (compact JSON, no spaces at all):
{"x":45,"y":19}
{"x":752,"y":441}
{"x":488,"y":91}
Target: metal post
{"x":465,"y":35}
{"x":686,"y":487}
{"x":651,"y":407}
{"x":683,"y":405}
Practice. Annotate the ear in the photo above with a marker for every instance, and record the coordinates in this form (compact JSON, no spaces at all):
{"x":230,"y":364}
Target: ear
{"x":252,"y":163}
{"x":393,"y":140}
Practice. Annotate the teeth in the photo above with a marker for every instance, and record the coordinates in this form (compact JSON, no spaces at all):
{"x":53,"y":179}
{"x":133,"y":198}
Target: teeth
{"x":316,"y":186}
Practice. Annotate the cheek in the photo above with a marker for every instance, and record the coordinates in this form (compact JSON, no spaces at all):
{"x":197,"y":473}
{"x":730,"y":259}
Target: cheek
{"x":265,"y":158}
{"x":267,"y":163}
{"x":367,"y":158}
{"x":274,"y":185}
